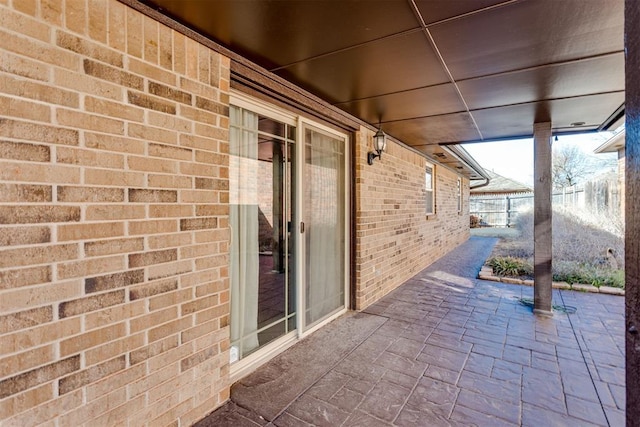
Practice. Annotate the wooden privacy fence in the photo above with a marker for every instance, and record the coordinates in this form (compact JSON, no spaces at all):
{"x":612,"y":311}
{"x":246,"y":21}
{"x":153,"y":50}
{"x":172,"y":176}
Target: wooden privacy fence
{"x":499,"y":211}
{"x":600,"y":196}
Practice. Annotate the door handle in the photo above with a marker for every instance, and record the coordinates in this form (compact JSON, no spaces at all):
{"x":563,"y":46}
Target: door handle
{"x":301,"y":227}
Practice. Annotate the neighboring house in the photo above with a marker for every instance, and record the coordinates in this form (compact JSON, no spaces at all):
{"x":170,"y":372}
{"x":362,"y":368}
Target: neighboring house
{"x":616,"y":144}
{"x":497,"y":203}
{"x":499,"y":186}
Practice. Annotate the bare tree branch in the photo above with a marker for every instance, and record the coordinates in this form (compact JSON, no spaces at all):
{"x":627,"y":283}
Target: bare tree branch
{"x":570,"y":166}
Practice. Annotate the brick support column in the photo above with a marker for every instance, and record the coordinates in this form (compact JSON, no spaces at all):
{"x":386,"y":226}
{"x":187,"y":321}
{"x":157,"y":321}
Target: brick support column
{"x":632,"y":215}
{"x":542,"y":219}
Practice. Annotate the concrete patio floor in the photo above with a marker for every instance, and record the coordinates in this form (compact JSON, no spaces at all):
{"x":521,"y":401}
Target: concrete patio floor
{"x":447,"y":349}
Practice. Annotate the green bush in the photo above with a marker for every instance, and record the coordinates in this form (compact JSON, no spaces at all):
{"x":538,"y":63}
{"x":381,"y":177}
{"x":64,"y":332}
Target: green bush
{"x":577,"y":272}
{"x":509,"y":266}
{"x":582,"y":252}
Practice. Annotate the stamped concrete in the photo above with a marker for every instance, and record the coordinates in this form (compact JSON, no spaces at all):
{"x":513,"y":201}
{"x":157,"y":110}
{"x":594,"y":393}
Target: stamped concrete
{"x":446,"y":349}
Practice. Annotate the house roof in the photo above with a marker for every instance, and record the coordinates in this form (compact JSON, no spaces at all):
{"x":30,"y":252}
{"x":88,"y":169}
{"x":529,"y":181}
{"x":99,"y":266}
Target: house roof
{"x":613,"y":144}
{"x":499,"y":184}
{"x":432,"y":72}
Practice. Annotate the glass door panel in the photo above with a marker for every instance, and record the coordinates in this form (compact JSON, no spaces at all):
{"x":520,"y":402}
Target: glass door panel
{"x":324,"y":223}
{"x":262,"y":289}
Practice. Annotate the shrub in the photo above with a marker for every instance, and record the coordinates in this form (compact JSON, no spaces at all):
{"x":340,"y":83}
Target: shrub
{"x":582,"y":252}
{"x":573,"y":240}
{"x":509,"y":266}
{"x":474,"y":222}
{"x":575,"y":272}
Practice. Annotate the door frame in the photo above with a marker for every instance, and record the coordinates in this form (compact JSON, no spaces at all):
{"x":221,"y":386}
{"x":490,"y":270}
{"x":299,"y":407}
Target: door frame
{"x":248,"y":364}
{"x":300,"y":240}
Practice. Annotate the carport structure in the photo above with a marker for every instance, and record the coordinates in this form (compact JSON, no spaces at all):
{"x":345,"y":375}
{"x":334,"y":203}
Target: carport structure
{"x":434,"y":74}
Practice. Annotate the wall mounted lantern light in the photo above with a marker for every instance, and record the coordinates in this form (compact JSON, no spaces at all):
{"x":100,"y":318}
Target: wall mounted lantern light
{"x":379,"y":144}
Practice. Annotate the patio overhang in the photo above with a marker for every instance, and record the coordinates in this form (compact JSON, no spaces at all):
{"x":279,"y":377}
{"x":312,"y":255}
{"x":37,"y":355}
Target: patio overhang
{"x":434,"y":72}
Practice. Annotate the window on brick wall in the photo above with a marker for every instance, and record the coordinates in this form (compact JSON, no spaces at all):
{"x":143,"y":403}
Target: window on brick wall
{"x":459,"y":195}
{"x":429,"y":181}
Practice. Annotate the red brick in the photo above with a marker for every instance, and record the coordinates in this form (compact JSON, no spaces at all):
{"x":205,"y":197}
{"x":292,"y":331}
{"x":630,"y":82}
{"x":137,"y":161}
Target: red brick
{"x":152,"y":257}
{"x":113,"y":177}
{"x":169,"y":181}
{"x":38,"y":376}
{"x":170,"y":152}
{"x":113,"y":109}
{"x":23,"y":151}
{"x":39,"y":172}
{"x":25,"y":110}
{"x":170,"y":211}
{"x":114,"y":212}
{"x":25,"y":319}
{"x":24,"y":235}
{"x":114,"y":143}
{"x":211,"y":105}
{"x":25,"y":193}
{"x":152,"y":196}
{"x":92,"y":303}
{"x":20,"y":214}
{"x":46,"y":53}
{"x":26,"y":25}
{"x":98,"y":20}
{"x":198,"y":358}
{"x":154,"y":288}
{"x":112,"y":74}
{"x":113,"y":314}
{"x":189,"y":224}
{"x":166,"y":47}
{"x":153,"y":349}
{"x":170,"y":328}
{"x":24,"y":67}
{"x":37,"y":132}
{"x":93,"y":122}
{"x":89,"y":194}
{"x":52,"y":11}
{"x":24,"y":277}
{"x":153,"y":227}
{"x":112,"y":281}
{"x":27,"y":360}
{"x":149,"y":133}
{"x":153,"y":103}
{"x":150,"y":33}
{"x":113,"y":246}
{"x":88,"y":48}
{"x":75,"y":14}
{"x":117,"y":26}
{"x":92,"y":374}
{"x":86,"y":231}
{"x":169,"y":93}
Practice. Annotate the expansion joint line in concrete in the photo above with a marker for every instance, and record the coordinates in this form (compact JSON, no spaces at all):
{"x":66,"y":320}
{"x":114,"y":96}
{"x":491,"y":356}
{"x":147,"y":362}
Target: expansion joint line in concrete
{"x":584,"y":359}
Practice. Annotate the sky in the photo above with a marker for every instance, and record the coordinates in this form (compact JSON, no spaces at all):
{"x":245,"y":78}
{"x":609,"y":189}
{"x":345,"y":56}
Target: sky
{"x":514,"y":158}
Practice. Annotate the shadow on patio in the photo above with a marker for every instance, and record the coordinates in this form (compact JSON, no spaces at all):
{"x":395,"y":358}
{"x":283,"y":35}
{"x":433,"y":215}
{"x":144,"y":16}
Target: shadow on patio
{"x":447,"y":349}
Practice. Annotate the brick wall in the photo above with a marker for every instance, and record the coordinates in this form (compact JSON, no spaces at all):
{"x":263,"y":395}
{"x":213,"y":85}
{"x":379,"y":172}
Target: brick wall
{"x":113,"y":218}
{"x":394,"y":238}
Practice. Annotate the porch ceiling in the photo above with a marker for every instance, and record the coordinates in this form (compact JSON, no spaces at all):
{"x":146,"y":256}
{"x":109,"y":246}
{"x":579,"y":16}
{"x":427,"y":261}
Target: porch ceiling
{"x":435,"y":71}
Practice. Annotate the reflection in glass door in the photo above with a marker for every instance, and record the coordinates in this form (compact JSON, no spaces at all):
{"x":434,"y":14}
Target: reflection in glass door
{"x":260,"y":193}
{"x":324,"y":200}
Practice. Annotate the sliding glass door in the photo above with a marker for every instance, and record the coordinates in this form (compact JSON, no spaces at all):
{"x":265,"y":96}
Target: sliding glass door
{"x":287,"y":217}
{"x":324,"y":215}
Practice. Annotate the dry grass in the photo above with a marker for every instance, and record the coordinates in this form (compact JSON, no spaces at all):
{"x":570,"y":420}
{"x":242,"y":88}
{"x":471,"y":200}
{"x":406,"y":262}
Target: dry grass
{"x":583,"y":251}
